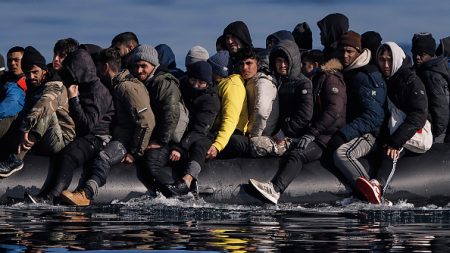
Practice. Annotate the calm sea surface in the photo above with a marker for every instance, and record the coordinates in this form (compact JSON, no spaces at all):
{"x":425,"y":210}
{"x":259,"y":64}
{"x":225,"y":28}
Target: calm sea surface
{"x":172,"y":225}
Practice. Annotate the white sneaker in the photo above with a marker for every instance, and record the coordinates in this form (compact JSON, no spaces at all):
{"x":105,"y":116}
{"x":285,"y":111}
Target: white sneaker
{"x":266,"y":190}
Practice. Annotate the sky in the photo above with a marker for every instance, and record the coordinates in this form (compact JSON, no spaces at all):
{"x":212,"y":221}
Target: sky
{"x":184,"y":24}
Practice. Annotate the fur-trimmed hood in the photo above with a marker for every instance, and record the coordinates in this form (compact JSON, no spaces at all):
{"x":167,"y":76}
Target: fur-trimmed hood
{"x":332,"y":66}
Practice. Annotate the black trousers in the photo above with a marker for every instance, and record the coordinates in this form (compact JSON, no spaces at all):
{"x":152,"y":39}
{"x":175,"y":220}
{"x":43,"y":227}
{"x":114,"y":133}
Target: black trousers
{"x":386,"y":171}
{"x":62,"y":165}
{"x":99,"y":168}
{"x":152,"y":168}
{"x":237,"y":146}
{"x":292,"y":164}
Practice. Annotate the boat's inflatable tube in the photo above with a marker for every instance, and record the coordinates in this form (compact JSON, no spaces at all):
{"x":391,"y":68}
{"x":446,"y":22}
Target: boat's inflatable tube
{"x":419,"y":179}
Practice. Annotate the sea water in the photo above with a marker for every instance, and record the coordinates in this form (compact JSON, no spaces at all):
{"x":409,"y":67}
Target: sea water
{"x":174,"y":225}
{"x":184,"y":225}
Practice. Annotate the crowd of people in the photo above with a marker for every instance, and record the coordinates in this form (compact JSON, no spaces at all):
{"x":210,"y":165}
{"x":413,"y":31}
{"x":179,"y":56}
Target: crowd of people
{"x":93,"y":108}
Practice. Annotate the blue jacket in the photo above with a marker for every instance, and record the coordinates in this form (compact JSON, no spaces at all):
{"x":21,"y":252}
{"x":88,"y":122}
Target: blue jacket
{"x":12,"y":99}
{"x":366,"y":91}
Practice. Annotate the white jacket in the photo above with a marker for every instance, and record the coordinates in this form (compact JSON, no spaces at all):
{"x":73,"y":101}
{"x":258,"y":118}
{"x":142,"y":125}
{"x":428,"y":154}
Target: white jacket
{"x":262,"y":102}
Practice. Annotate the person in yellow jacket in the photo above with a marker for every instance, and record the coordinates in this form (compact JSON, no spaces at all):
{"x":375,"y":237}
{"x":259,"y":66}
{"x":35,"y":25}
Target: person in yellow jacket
{"x":233,"y":116}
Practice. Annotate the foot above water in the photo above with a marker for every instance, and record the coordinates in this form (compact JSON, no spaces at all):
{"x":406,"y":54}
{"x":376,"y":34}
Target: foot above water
{"x":266,"y":190}
{"x":76,"y":198}
{"x":11,"y":165}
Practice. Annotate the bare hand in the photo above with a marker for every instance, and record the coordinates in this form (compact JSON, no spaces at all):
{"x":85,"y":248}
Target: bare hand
{"x":25,"y":144}
{"x":72,"y":91}
{"x":153,"y":145}
{"x":128,"y":159}
{"x":212,"y":152}
{"x":175,"y":156}
{"x":393,"y":153}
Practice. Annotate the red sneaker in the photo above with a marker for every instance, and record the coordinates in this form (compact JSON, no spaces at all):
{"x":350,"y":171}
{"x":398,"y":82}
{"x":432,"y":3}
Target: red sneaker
{"x":371,"y":189}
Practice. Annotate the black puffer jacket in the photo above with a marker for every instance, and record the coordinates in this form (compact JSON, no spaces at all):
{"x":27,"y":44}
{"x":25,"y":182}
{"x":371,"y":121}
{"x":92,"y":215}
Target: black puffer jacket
{"x":330,"y":102}
{"x":435,"y":76}
{"x":165,"y":97}
{"x":203,"y":106}
{"x":93,"y":109}
{"x":295,"y":91}
{"x":407,"y":92}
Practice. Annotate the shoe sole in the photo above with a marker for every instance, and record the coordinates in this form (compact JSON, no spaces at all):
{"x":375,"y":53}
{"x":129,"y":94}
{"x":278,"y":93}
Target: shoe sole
{"x":365,"y":187}
{"x":269,"y":198}
{"x":11,"y":172}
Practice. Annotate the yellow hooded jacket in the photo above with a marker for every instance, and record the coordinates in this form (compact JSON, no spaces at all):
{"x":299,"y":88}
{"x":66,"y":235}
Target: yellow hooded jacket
{"x":234,"y":113}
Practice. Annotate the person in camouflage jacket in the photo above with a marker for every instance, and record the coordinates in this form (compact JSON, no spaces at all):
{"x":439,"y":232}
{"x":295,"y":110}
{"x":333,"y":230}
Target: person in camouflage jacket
{"x":45,"y":119}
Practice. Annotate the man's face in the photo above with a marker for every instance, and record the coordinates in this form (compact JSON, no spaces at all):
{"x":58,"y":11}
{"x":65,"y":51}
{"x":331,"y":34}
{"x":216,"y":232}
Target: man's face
{"x":233,"y":43}
{"x":249,"y":68}
{"x":14,"y":60}
{"x":57,"y":61}
{"x":349,"y":55}
{"x":421,"y":57}
{"x":384,"y":61}
{"x":281,"y":66}
{"x":122,"y":48}
{"x":102,"y":72}
{"x":197,"y":84}
{"x":35,"y":76}
{"x":322,"y":38}
{"x":308,"y":66}
{"x":142,"y":70}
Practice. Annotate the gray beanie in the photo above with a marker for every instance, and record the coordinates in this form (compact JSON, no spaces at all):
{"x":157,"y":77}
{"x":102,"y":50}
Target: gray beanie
{"x":219,"y":63}
{"x":196,"y":54}
{"x":145,"y":53}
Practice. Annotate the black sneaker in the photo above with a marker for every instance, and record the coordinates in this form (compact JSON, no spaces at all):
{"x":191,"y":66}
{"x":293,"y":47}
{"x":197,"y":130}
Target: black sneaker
{"x":10,"y":165}
{"x":178,"y":188}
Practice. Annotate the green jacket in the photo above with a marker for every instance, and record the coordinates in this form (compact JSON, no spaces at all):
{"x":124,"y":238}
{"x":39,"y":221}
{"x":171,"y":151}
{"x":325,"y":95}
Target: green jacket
{"x":134,"y":116}
{"x":166,"y":102}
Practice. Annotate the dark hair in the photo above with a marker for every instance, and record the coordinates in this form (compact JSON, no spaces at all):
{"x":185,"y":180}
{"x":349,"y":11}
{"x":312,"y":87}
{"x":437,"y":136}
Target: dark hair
{"x":313,"y":56}
{"x":111,"y":56}
{"x":246,"y":53}
{"x":65,"y":46}
{"x":125,"y":37}
{"x":16,"y":49}
{"x":221,"y":44}
{"x":383,"y":48}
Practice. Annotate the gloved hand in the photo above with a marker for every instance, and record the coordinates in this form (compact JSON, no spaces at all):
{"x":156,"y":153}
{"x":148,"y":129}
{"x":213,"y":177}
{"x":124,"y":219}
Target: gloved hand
{"x":305,"y":140}
{"x":336,"y":141}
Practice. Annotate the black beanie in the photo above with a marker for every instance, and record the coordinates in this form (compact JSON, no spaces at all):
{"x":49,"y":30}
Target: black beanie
{"x":423,"y":42}
{"x":240,"y":30}
{"x":32,"y":57}
{"x":200,"y":70}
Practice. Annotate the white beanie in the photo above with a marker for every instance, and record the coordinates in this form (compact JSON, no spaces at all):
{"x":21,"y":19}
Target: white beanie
{"x":196,"y":54}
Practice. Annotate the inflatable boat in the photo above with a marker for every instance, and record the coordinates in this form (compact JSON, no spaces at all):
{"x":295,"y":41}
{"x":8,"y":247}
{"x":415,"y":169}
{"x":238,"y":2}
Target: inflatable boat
{"x":422,"y":179}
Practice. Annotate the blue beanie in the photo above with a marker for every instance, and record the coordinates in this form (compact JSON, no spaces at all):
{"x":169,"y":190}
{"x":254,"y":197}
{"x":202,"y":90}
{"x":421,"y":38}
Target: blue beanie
{"x":219,"y":63}
{"x":200,"y":70}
